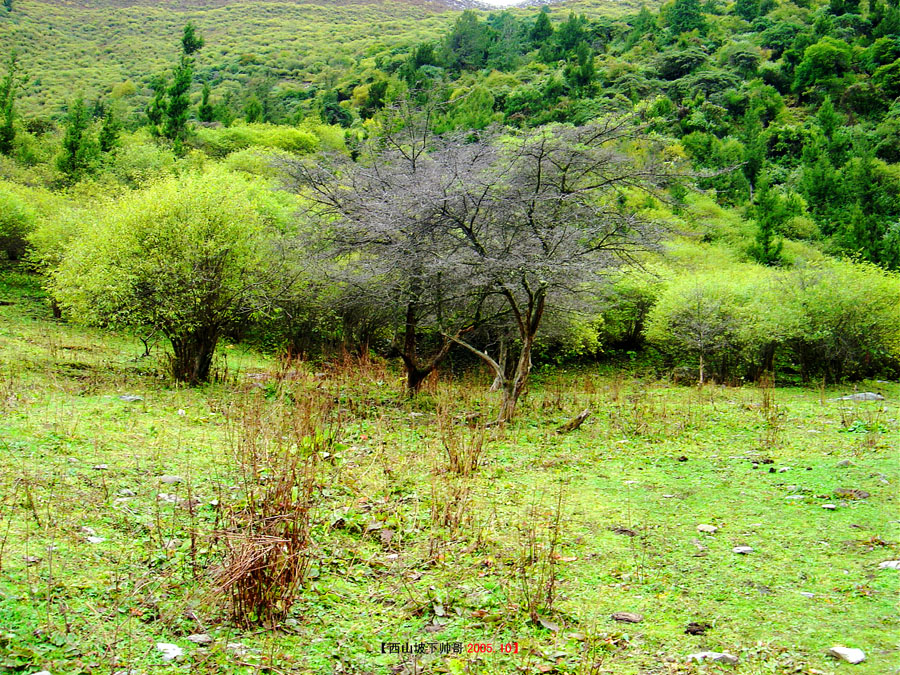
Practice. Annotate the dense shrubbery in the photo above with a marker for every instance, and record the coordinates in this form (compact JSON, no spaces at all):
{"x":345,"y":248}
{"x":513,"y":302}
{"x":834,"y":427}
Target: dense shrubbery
{"x":787,"y":114}
{"x":831,"y":319}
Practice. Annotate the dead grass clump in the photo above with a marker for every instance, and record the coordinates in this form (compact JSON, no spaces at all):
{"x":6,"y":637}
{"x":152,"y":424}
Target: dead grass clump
{"x":278,"y":448}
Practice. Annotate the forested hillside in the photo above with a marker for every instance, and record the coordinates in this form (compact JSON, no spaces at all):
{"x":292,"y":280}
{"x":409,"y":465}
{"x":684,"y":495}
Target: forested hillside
{"x":781,"y":118}
{"x":393,"y":337}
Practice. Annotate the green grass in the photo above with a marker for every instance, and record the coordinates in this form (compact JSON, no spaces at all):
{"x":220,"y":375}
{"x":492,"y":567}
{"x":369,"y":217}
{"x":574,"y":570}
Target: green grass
{"x":654,"y":459}
{"x":88,"y":48}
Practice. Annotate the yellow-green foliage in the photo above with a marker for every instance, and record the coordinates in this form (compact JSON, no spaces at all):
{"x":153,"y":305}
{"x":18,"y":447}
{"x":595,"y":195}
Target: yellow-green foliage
{"x":837,"y":316}
{"x":180,"y":253}
{"x":221,"y":141}
{"x":17,"y":220}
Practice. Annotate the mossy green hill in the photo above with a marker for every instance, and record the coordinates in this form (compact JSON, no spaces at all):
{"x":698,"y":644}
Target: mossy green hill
{"x":107,"y":48}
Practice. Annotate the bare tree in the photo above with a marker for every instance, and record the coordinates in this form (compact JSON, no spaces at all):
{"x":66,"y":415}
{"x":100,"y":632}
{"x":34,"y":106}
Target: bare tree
{"x":458,"y":231}
{"x":379,"y":223}
{"x":546,"y":219}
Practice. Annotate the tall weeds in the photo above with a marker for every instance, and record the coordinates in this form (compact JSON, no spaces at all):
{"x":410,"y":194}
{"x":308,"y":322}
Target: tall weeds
{"x":278,"y":448}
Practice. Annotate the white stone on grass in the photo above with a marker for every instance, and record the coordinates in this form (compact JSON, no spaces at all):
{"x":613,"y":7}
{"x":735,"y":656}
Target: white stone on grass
{"x":889,"y":565}
{"x":200,"y":639}
{"x":848,"y":654}
{"x":709,"y":529}
{"x":742,"y":550}
{"x":169,"y":651}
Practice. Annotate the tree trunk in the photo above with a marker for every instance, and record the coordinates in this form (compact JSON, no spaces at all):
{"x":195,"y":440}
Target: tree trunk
{"x":515,"y":385}
{"x":501,"y":359}
{"x":193,"y":354}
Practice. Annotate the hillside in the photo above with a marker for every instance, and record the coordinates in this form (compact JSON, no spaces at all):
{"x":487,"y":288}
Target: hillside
{"x":103,"y":48}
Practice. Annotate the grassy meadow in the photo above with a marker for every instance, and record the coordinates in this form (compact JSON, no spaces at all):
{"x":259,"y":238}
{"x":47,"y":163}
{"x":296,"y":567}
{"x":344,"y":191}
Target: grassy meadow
{"x":426,"y":526}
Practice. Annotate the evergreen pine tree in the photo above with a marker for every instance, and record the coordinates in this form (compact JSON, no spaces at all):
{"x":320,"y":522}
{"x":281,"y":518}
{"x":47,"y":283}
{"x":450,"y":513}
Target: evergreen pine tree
{"x":109,"y":131}
{"x":7,"y":108}
{"x":156,"y":110}
{"x":79,"y":151}
{"x":542,"y":28}
{"x":769,"y":212}
{"x":190,"y":41}
{"x":685,"y":16}
{"x":205,"y":111}
{"x":178,"y":103}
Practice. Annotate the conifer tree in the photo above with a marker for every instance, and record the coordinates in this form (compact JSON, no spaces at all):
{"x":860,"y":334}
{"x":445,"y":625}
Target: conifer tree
{"x":7,"y":100}
{"x":542,"y":28}
{"x":768,"y":212}
{"x":80,"y":151}
{"x":109,"y":131}
{"x":685,"y":16}
{"x":205,"y":111}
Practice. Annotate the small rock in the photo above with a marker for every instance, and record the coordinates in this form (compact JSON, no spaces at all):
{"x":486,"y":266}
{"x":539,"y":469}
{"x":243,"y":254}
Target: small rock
{"x":806,"y":594}
{"x":170,"y":480}
{"x":167,"y":498}
{"x":795,"y":497}
{"x":668,"y":496}
{"x":181,"y":412}
{"x":42,"y":672}
{"x":169,"y":651}
{"x":709,"y":529}
{"x":72,"y":460}
{"x":627,"y":617}
{"x":100,"y":467}
{"x":784,"y":468}
{"x":31,"y":560}
{"x":88,"y":530}
{"x":844,"y":463}
{"x":697,"y":628}
{"x":829,"y":507}
{"x":95,"y":540}
{"x":889,"y":565}
{"x":237,"y":648}
{"x":742,"y":550}
{"x":848,"y":654}
{"x":125,"y":492}
{"x":200,"y":639}
{"x":851,"y":493}
{"x":719,"y":657}
{"x":861,"y":396}
{"x":130,"y":398}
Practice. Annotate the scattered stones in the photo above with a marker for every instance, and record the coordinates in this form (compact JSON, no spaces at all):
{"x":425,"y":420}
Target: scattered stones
{"x":95,"y":540}
{"x":844,"y":463}
{"x":889,"y":565}
{"x":169,"y":651}
{"x":668,"y":496}
{"x":742,"y":550}
{"x":130,"y":398}
{"x":784,"y":468}
{"x":697,"y":628}
{"x":125,"y":492}
{"x":796,"y":497}
{"x":709,"y":529}
{"x":100,"y":467}
{"x":627,"y":617}
{"x":861,"y":396}
{"x":851,"y":493}
{"x":848,"y":654}
{"x":719,"y":657}
{"x":829,"y":507}
{"x":200,"y":639}
{"x":170,"y":480}
{"x":807,"y":594}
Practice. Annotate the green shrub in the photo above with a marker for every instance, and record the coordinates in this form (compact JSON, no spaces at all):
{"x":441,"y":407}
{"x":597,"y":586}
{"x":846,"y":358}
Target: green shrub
{"x":17,"y":220}
{"x":220,"y":142}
